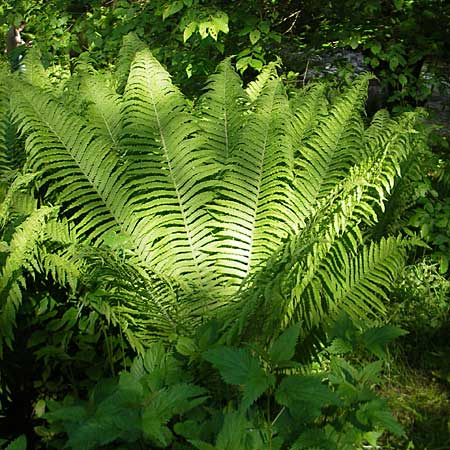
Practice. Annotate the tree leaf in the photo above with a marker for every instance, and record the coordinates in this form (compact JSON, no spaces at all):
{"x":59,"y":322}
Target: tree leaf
{"x":254,"y":36}
{"x":172,"y":8}
{"x":189,"y":30}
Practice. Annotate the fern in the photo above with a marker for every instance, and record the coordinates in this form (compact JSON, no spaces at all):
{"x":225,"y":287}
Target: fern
{"x":255,"y":209}
{"x":174,"y":229}
{"x":254,"y":203}
{"x":103,"y":111}
{"x":332,"y":148}
{"x":222,"y":109}
{"x":21,"y":254}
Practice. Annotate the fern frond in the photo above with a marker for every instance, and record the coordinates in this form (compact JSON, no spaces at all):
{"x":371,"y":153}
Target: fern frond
{"x":18,"y":183}
{"x":268,"y":73}
{"x":86,"y":176}
{"x":140,"y":301}
{"x":22,"y":247}
{"x":332,"y":149}
{"x":34,"y":72}
{"x":10,"y":154}
{"x":171,"y":171}
{"x":309,"y":107}
{"x":222,"y":111}
{"x":303,"y":279}
{"x":104,"y":108}
{"x":131,"y":45}
{"x":254,"y":205}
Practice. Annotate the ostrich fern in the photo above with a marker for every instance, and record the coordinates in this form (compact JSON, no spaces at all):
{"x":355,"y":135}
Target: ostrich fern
{"x":250,"y":206}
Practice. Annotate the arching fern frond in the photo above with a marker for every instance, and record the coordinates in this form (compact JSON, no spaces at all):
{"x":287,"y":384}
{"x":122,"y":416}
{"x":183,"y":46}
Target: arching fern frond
{"x":222,"y":110}
{"x":104,"y":108}
{"x":19,"y":256}
{"x":34,"y":72}
{"x":172,"y":170}
{"x":11,"y":154}
{"x":130,"y":46}
{"x":305,"y":279}
{"x":75,"y":165}
{"x":253,"y":207}
{"x":144,"y":304}
{"x":309,"y":106}
{"x":334,"y":146}
{"x":268,"y":72}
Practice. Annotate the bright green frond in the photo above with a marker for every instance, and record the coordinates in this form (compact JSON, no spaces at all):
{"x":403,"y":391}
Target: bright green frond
{"x":299,"y":281}
{"x":334,"y":146}
{"x":255,"y":88}
{"x":254,"y":207}
{"x":34,"y":72}
{"x":10,"y":155}
{"x":130,"y":46}
{"x":78,"y":168}
{"x":104,"y":108}
{"x":171,"y":173}
{"x":309,"y":106}
{"x":222,"y":108}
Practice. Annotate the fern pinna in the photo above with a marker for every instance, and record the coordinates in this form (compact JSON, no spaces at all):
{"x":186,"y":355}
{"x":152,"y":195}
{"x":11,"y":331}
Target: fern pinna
{"x":248,"y":205}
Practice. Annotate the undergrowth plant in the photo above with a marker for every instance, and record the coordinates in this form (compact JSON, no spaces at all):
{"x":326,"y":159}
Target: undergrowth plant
{"x":263,"y":399}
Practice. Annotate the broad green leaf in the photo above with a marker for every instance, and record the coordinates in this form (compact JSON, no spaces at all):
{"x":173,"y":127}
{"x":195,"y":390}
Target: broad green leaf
{"x":305,"y":396}
{"x":18,"y":444}
{"x":239,"y":367}
{"x":376,"y":339}
{"x":283,"y":348}
{"x":377,"y":413}
{"x":254,"y":36}
{"x":220,"y":20}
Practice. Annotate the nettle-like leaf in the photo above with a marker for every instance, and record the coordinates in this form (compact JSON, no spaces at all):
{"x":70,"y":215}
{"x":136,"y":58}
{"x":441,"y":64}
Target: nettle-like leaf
{"x":283,"y":348}
{"x":376,"y":339}
{"x":305,"y":396}
{"x":240,"y":367}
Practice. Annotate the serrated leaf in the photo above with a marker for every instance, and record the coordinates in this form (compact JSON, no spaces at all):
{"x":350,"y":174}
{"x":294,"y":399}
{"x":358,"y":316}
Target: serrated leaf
{"x":314,"y":439}
{"x":233,"y":432}
{"x":233,"y":364}
{"x":283,"y":348}
{"x":376,"y":339}
{"x":377,"y":413}
{"x":305,"y":396}
{"x":239,"y":367}
{"x":18,"y":444}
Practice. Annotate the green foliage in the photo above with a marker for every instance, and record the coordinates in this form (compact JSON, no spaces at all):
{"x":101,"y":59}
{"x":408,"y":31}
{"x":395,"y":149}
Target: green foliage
{"x":431,"y":219}
{"x":18,"y":444}
{"x":421,"y":299}
{"x":247,"y":206}
{"x":156,"y":403}
{"x":134,"y":408}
